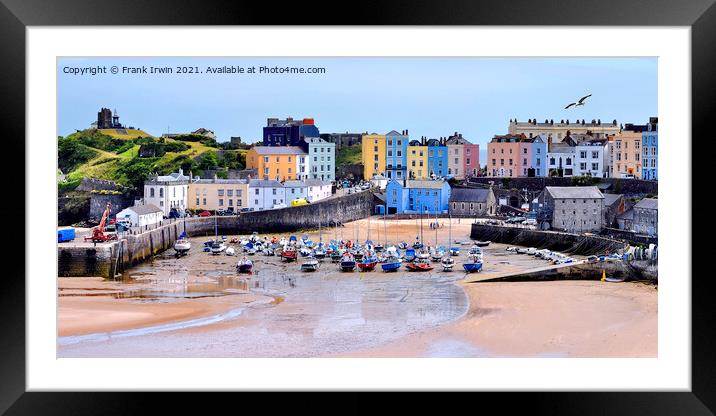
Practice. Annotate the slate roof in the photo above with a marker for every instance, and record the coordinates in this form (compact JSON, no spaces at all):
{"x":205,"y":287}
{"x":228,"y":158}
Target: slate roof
{"x":264,"y":183}
{"x":279,"y":150}
{"x":574,"y":192}
{"x":316,"y":182}
{"x":648,"y":203}
{"x":294,"y":184}
{"x":415,"y":184}
{"x":469,"y":194}
{"x":223,"y":181}
{"x":610,"y":199}
{"x":144,"y":209}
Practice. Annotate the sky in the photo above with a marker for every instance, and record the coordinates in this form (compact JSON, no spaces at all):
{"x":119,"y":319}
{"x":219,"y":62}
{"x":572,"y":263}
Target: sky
{"x":430,"y":97}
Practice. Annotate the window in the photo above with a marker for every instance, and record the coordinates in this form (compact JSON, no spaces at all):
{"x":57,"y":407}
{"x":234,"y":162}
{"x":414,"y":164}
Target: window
{"x":204,"y":202}
{"x":238,"y":202}
{"x":221,"y":192}
{"x":256,"y":191}
{"x":231,"y":202}
{"x":221,"y":202}
{"x":583,"y":154}
{"x":595,"y":155}
{"x":197,"y":201}
{"x":151,"y":192}
{"x":161,"y":192}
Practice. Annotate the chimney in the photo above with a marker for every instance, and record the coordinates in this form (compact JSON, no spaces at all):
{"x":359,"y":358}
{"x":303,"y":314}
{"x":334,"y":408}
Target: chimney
{"x":549,"y":144}
{"x":406,"y":132}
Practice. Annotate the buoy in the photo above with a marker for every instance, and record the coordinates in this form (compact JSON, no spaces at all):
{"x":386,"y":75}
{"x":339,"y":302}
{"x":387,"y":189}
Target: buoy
{"x":604,"y":275}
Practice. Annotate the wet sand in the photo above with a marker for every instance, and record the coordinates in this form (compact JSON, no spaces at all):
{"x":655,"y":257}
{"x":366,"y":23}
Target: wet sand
{"x":286,"y":313}
{"x":541,"y":319}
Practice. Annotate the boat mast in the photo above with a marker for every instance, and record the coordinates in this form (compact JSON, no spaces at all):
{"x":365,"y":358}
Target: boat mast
{"x":421,"y":223}
{"x":436,"y":225}
{"x":385,"y":226}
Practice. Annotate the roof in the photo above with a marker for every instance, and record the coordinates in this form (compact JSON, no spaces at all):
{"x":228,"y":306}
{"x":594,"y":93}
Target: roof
{"x":222,"y":181}
{"x":457,"y":140}
{"x":144,"y":209}
{"x":469,"y":194}
{"x":647,"y":203}
{"x":561,"y":148}
{"x":172,"y":177}
{"x":278,"y":150}
{"x":265,"y":183}
{"x":316,"y":182}
{"x":610,"y":199}
{"x":574,"y":192}
{"x":626,"y":215}
{"x":414,"y":184}
{"x":294,"y":184}
{"x":394,"y":133}
{"x":377,"y":177}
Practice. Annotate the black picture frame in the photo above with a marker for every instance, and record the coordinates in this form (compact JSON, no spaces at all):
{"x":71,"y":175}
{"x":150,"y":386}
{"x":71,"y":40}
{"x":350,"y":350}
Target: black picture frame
{"x":16,"y":15}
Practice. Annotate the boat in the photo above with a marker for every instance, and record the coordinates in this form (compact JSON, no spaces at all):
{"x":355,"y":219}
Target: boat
{"x":288,"y":253}
{"x":310,"y":264}
{"x":182,"y":245}
{"x":320,"y":251}
{"x":448,"y":263}
{"x":244,"y":265}
{"x":230,"y":251}
{"x":473,"y":263}
{"x":304,"y":251}
{"x":454,"y":251}
{"x":403,"y":245}
{"x":335,"y":256}
{"x":419,"y":265}
{"x":217,"y":247}
{"x":410,"y":254}
{"x":368,"y":263}
{"x":392,"y":263}
{"x":348,"y":262}
{"x":358,"y":255}
{"x":482,"y":243}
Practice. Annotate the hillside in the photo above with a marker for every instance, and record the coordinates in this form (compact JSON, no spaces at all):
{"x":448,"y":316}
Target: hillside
{"x":349,"y":155}
{"x":130,"y":158}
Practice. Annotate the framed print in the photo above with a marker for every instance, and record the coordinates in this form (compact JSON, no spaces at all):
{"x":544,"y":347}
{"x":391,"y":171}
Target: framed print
{"x":460,"y":198}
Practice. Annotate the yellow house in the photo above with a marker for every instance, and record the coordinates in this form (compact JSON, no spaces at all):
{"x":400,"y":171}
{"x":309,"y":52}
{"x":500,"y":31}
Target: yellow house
{"x":418,"y":162}
{"x":215,"y":194}
{"x":279,"y":163}
{"x":625,"y":154}
{"x":373,"y":155}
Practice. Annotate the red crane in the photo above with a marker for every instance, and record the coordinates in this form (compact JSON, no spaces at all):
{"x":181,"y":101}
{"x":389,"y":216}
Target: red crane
{"x":98,"y":235}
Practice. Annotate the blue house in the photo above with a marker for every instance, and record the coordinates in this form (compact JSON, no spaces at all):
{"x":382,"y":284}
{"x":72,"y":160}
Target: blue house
{"x":396,"y":154}
{"x":650,"y":150}
{"x":437,"y":158}
{"x":539,"y":155}
{"x":414,"y":196}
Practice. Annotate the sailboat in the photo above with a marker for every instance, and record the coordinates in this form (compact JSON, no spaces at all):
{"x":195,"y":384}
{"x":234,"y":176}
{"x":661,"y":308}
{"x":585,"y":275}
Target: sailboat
{"x":348,"y":262}
{"x":369,"y":262}
{"x":217,"y":246}
{"x":182,"y":245}
{"x":392,"y":260}
{"x":474,"y":260}
{"x":447,"y":261}
{"x":310,"y":264}
{"x":244,"y":265}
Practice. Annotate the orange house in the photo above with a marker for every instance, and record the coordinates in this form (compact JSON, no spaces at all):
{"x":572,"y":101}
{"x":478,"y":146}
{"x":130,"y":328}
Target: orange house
{"x":625,"y":154}
{"x":280,"y":163}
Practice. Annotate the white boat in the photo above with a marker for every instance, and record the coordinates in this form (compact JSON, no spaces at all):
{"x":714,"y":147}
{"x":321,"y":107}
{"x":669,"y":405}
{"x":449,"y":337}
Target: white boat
{"x":311,"y":264}
{"x":448,"y":263}
{"x":182,"y":246}
{"x":217,"y":247}
{"x":230,"y":251}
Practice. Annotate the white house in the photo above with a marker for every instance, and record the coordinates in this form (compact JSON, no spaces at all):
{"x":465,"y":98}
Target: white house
{"x":167,"y":192}
{"x":591,"y":158}
{"x":321,"y":159}
{"x":265,"y":194}
{"x":141,"y":215}
{"x":318,"y":189}
{"x":561,"y":159}
{"x":295,"y":190}
{"x":379,"y":181}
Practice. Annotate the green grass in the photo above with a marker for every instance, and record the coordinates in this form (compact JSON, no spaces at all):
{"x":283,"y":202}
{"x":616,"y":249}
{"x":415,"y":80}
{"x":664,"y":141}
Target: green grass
{"x":348,"y":155}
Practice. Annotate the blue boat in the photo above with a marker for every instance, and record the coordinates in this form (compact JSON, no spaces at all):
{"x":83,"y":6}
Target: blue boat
{"x":454,"y":251}
{"x":473,"y":264}
{"x":391,"y":265}
{"x":409,"y":254}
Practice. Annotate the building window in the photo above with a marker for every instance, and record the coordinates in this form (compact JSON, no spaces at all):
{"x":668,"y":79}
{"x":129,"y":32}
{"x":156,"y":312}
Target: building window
{"x":161,"y":192}
{"x":151,"y":192}
{"x":197,"y":201}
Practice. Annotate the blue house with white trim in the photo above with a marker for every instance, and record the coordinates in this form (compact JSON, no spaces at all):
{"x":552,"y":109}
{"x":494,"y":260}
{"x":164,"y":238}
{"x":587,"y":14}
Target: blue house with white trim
{"x":437,"y":158}
{"x":396,"y":154}
{"x":650,"y":150}
{"x":414,"y":196}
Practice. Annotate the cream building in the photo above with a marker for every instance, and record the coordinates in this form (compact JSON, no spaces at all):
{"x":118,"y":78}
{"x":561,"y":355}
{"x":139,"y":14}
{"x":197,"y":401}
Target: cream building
{"x":558,"y":131}
{"x":167,"y":192}
{"x":218,"y":194}
{"x":625,"y":155}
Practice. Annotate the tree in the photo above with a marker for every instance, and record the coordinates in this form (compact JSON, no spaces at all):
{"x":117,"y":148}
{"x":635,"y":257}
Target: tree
{"x":208,"y":160}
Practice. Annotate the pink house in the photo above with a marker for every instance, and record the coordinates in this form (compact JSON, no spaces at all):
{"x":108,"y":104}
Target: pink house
{"x":505,"y":156}
{"x":471,"y":158}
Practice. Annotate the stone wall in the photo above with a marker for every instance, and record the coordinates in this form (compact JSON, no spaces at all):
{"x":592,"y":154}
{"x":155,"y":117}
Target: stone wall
{"x":90,"y":184}
{"x":98,"y":203}
{"x":559,"y":241}
{"x":619,"y":186}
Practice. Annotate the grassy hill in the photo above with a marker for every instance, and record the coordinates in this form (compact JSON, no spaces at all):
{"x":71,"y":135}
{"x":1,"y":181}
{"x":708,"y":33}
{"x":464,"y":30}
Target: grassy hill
{"x":129,"y":157}
{"x":348,"y":155}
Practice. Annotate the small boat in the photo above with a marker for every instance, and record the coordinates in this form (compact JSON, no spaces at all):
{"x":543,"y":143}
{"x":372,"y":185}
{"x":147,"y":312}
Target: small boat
{"x":348,"y":262}
{"x":392,"y":264}
{"x":304,"y":251}
{"x":454,"y":251}
{"x":336,"y":256}
{"x":473,"y":263}
{"x":217,"y":247}
{"x":437,"y":254}
{"x":358,"y":255}
{"x":368,"y":263}
{"x":419,"y":265}
{"x":230,"y":251}
{"x":244,"y":265}
{"x":410,"y":254}
{"x":319,"y":252}
{"x":482,"y":243}
{"x":310,"y":264}
{"x":288,"y":253}
{"x":378,"y":248}
{"x":417,"y":245}
{"x":182,"y":245}
{"x":403,"y":245}
{"x":448,"y":263}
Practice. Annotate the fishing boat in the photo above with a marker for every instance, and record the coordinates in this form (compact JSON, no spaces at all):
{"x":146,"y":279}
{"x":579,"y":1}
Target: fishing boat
{"x":310,"y":264}
{"x":473,"y":263}
{"x":419,"y":265}
{"x":348,"y":262}
{"x":182,"y":245}
{"x":244,"y":265}
{"x":448,"y":263}
{"x":288,"y":253}
{"x":368,"y":263}
{"x":392,"y":263}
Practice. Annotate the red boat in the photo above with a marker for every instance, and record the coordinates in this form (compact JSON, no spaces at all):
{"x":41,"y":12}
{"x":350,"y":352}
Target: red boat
{"x":368,"y":263}
{"x":288,"y":254}
{"x":418,"y":267}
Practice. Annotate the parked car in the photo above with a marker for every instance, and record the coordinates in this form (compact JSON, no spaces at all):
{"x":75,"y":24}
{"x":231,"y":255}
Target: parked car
{"x":529,"y":221}
{"x":205,"y":213}
{"x":278,"y":206}
{"x":493,"y":222}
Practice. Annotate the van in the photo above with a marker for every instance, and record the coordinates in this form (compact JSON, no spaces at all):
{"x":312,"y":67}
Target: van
{"x":299,"y":201}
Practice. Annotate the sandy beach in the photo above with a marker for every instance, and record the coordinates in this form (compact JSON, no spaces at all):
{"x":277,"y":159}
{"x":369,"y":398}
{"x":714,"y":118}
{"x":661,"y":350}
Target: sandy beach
{"x":282,"y":312}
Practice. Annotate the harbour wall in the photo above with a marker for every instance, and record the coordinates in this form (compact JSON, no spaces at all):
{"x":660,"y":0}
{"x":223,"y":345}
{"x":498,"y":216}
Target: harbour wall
{"x":537,"y":184}
{"x":553,"y":240}
{"x":583,"y":271}
{"x":110,"y":259}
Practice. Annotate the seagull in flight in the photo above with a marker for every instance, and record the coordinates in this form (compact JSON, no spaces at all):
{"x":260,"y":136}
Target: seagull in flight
{"x":578,"y":103}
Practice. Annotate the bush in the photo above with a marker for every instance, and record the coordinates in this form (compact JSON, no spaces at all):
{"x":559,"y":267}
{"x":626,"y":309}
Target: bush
{"x":71,"y":153}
